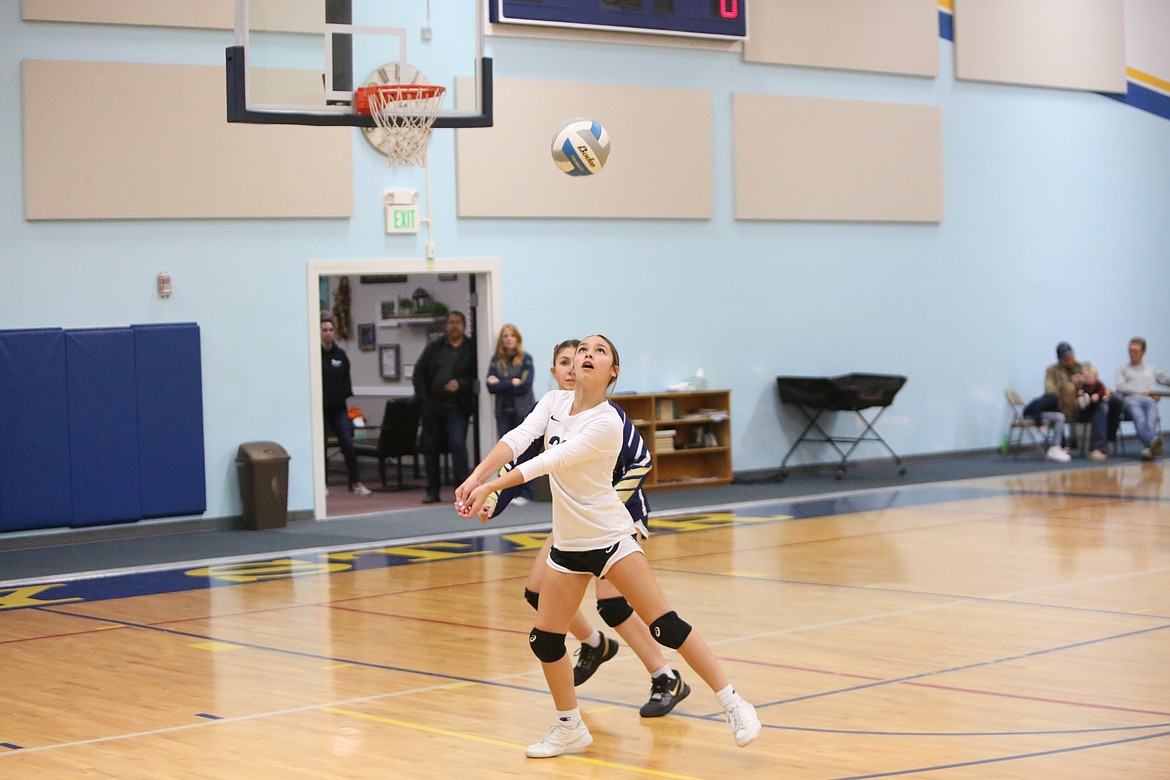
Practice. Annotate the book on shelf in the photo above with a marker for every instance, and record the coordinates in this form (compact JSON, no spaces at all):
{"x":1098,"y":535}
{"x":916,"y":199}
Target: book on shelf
{"x":666,"y":409}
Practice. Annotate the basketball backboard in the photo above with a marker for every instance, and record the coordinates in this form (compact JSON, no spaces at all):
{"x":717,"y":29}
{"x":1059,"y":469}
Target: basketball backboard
{"x":299,"y":61}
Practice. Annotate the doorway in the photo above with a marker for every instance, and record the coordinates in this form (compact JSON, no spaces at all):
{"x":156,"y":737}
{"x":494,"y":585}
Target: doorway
{"x":384,"y":334}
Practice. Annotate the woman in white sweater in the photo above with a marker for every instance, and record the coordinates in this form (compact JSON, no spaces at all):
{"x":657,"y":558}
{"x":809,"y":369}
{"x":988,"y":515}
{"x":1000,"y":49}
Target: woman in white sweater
{"x":593,"y":536}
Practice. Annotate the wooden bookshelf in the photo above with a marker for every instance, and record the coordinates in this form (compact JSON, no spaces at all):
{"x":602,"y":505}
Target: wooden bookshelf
{"x":688,"y":433}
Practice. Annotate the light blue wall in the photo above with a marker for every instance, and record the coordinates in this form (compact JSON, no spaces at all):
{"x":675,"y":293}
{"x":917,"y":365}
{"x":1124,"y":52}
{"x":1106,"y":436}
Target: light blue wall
{"x":1057,"y":227}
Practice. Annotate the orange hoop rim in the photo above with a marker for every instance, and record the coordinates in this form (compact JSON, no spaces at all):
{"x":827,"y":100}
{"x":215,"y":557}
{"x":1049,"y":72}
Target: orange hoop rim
{"x":395,"y":93}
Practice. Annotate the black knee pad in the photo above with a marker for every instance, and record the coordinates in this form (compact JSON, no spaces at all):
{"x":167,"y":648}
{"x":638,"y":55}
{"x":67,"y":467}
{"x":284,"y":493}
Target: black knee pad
{"x":532,"y":597}
{"x":547,"y":646}
{"x":670,"y":630}
{"x":614,"y":611}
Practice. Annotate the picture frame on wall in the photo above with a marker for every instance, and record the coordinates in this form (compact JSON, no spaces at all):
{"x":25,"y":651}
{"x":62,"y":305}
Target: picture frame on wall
{"x":367,"y":337}
{"x":389,"y":359}
{"x":387,"y":308}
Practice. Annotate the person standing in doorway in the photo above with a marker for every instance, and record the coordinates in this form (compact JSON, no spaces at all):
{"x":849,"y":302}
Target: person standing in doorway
{"x":336,"y":388}
{"x":509,"y":379}
{"x":444,"y":382}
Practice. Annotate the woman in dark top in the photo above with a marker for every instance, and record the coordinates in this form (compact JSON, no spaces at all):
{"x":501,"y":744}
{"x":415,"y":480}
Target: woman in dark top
{"x":509,"y":379}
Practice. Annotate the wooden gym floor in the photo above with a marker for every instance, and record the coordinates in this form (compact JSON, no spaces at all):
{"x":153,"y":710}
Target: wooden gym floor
{"x":1006,"y":627}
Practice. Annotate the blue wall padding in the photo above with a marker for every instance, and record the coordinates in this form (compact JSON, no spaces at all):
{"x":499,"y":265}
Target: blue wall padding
{"x":103,"y":426}
{"x":34,"y":431}
{"x":170,"y":419}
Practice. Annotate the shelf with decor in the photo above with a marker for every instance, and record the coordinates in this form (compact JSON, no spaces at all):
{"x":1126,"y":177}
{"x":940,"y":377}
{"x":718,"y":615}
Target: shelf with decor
{"x":688,"y":433}
{"x":425,"y":319}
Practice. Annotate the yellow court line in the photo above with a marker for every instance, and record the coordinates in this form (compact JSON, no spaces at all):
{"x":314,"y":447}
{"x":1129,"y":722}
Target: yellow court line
{"x":1145,"y":78}
{"x":499,"y":743}
{"x":216,"y":647}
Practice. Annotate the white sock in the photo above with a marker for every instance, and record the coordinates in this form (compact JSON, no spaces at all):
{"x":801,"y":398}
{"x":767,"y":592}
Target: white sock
{"x":569,"y":717}
{"x":727,"y":697}
{"x":664,"y":670}
{"x":594,"y":639}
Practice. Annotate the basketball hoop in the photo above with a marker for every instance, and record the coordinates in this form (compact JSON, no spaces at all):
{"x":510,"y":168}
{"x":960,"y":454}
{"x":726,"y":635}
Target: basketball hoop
{"x":405,"y":113}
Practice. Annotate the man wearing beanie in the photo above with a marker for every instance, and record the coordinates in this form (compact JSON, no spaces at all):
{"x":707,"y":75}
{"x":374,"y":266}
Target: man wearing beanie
{"x":1064,"y":379}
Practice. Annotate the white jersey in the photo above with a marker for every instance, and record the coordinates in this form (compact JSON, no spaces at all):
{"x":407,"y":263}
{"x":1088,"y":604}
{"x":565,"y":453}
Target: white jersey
{"x":579,"y":456}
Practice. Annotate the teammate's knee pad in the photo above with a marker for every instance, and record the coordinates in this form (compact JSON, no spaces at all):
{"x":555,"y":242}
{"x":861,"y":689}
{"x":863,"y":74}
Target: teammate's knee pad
{"x":532,"y":597}
{"x":547,"y":646}
{"x":670,"y":630}
{"x":614,"y":611}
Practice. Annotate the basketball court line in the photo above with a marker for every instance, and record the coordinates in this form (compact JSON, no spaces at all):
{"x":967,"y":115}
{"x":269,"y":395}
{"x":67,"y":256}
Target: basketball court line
{"x":975,"y":665}
{"x":511,"y":745}
{"x":459,"y":681}
{"x":839,"y":503}
{"x":788,"y":631}
{"x":909,"y":680}
{"x":799,"y":508}
{"x":1001,"y":759}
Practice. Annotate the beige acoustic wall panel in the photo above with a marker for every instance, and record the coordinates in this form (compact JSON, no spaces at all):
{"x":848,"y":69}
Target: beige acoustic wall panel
{"x":1147,"y":38}
{"x":799,"y":158}
{"x":886,"y":36}
{"x":141,"y":154}
{"x":1066,"y":44}
{"x":660,"y":163}
{"x":295,"y":15}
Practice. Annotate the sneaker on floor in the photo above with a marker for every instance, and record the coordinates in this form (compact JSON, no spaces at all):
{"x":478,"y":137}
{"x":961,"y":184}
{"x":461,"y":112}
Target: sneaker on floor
{"x":361,"y":490}
{"x":519,"y":501}
{"x":561,"y":739}
{"x":743,"y":722}
{"x":1156,"y":445}
{"x":1057,"y":453}
{"x":589,"y":658}
{"x":1097,"y":455}
{"x":430,"y":498}
{"x":665,"y":693}
{"x":1147,"y":453}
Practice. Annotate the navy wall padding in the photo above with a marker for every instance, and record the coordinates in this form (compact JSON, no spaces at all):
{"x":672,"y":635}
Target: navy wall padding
{"x":34,"y":431}
{"x":103,"y":426}
{"x":170,"y":419}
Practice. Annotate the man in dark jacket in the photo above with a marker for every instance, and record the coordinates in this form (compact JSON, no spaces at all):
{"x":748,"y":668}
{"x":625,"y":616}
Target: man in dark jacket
{"x":444,"y":382}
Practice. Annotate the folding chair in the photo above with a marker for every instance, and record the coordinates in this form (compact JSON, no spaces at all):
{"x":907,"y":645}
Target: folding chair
{"x":397,"y":438}
{"x":1021,"y":426}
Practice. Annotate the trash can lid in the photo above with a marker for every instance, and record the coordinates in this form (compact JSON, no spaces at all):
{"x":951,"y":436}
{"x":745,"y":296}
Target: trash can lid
{"x":260,"y":451}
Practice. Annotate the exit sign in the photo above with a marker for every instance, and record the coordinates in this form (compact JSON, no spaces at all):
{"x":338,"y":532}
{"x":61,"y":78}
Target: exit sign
{"x":402,"y":219}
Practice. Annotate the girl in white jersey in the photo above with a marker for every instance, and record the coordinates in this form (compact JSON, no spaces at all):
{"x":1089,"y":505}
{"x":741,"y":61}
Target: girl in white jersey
{"x":667,"y":688}
{"x":593,"y":535}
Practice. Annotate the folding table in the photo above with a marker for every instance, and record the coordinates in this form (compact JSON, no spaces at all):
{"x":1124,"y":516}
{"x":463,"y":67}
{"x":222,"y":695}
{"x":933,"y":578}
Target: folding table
{"x":847,"y":393}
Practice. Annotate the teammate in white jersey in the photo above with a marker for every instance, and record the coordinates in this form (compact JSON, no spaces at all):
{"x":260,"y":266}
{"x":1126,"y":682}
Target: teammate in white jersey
{"x":667,"y":687}
{"x":593,"y":535}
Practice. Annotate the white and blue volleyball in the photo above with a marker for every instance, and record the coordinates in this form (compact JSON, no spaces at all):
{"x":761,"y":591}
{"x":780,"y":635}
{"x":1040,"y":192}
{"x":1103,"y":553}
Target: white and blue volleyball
{"x":580,"y":147}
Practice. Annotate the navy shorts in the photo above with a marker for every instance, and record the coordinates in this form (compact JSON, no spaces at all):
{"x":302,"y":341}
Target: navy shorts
{"x":595,"y":562}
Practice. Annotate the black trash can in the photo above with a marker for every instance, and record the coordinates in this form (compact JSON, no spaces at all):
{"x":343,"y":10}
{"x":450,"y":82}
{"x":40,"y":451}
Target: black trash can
{"x":262,"y":467}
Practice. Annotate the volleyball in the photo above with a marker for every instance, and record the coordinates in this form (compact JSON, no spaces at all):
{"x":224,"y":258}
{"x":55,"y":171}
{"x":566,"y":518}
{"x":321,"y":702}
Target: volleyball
{"x":580,"y":147}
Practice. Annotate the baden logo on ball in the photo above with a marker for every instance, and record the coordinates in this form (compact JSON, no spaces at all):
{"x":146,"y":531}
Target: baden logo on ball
{"x":580,"y":147}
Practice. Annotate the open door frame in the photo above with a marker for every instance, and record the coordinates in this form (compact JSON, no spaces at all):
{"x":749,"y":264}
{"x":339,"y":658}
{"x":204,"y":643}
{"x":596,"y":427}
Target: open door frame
{"x":487,"y":322}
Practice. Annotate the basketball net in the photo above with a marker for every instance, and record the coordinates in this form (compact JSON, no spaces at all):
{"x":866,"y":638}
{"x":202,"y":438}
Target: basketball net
{"x":405,"y":112}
